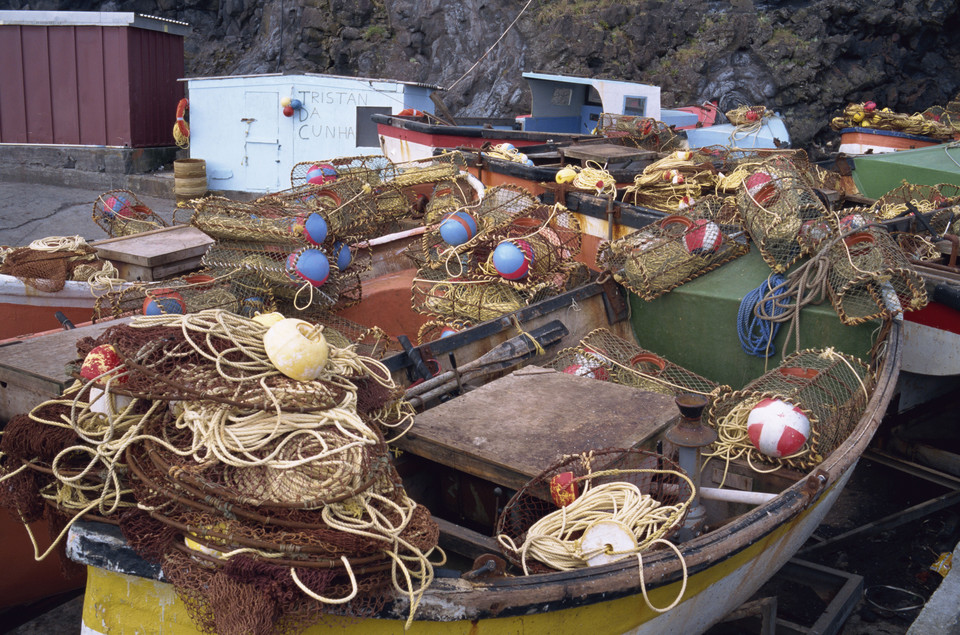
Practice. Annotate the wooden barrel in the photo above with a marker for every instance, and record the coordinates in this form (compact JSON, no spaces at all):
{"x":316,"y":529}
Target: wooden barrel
{"x":189,"y":178}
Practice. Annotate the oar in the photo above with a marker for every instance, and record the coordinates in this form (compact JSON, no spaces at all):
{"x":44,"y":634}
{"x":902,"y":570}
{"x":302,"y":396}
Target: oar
{"x":506,"y":354}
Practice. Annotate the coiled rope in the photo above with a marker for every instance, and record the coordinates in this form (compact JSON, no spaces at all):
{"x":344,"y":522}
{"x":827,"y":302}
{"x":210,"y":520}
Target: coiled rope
{"x":756,"y":333}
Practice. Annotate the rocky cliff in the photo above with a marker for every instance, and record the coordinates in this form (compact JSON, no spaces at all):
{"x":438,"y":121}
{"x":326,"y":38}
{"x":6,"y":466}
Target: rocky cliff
{"x":806,"y":59}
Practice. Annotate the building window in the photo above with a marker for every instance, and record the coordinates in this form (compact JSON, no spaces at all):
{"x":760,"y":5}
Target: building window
{"x":636,"y":106}
{"x":366,"y":129}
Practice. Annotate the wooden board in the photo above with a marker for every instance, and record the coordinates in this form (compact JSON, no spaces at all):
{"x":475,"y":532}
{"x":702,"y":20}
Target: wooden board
{"x":511,"y":429}
{"x":32,"y":369}
{"x":156,"y":254}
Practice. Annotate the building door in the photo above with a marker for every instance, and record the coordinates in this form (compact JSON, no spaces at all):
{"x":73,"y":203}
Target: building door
{"x":261,"y":141}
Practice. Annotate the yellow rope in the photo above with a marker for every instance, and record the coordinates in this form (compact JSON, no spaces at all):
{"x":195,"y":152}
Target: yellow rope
{"x":596,"y":178}
{"x":58,"y":243}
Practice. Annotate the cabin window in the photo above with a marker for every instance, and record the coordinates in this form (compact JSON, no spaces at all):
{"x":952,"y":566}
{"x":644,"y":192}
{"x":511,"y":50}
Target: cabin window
{"x":561,"y":97}
{"x":636,"y":106}
{"x":367,"y":129}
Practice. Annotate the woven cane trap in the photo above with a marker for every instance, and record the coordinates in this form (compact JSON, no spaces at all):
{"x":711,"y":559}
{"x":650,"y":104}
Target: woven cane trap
{"x":640,"y":132}
{"x":775,"y":201}
{"x":628,"y":364}
{"x":871,"y":278}
{"x":377,"y":169}
{"x":468,"y":299}
{"x":647,"y":476}
{"x":664,"y":255}
{"x":120,"y":213}
{"x":831,"y":388}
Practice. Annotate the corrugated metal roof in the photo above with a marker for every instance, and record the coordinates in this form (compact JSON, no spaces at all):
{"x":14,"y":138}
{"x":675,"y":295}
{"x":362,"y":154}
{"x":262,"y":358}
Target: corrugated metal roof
{"x":93,"y":18}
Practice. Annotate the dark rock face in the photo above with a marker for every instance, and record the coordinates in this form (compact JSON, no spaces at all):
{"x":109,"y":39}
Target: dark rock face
{"x":804,"y":58}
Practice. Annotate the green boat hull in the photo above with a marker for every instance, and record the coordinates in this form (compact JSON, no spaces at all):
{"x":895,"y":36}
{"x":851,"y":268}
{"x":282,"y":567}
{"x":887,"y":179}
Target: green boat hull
{"x":877,"y":174}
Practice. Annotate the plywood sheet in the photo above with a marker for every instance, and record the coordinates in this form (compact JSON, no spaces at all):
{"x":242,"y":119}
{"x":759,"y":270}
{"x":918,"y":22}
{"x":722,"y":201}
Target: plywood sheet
{"x":511,"y":429}
{"x":155,"y":248}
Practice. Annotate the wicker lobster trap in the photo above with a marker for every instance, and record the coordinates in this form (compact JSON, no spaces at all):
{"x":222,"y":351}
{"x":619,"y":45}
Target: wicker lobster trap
{"x":830,"y":388}
{"x":664,"y":255}
{"x":870,"y":277}
{"x":471,"y":299}
{"x":377,"y":169}
{"x":531,"y":539}
{"x":120,"y":213}
{"x":645,"y":133}
{"x":775,"y":201}
{"x":604,"y":356}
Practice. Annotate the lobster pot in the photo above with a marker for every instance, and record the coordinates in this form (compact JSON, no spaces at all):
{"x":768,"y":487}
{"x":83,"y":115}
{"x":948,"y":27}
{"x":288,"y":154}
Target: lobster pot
{"x":573,"y":477}
{"x":547,"y":236}
{"x":448,"y":196}
{"x":468,"y":299}
{"x":631,"y":365}
{"x":775,"y":201}
{"x":941,"y":199}
{"x":224,"y":219}
{"x":870,"y":278}
{"x":644,"y":133}
{"x":664,"y":255}
{"x":206,"y":289}
{"x":831,"y":389}
{"x":369,"y":169}
{"x":120,"y":213}
{"x":582,"y":363}
{"x":189,"y":179}
{"x":437,"y":329}
{"x":347,"y":205}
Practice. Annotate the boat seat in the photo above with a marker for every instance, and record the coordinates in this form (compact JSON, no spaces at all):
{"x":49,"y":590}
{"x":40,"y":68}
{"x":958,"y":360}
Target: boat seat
{"x":548,"y":415}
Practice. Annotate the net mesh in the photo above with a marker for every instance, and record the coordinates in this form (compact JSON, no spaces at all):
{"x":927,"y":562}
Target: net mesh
{"x":831,"y":389}
{"x":48,"y":269}
{"x":120,"y":213}
{"x":775,"y":201}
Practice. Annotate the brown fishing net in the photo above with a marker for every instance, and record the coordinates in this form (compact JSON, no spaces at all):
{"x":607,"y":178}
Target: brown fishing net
{"x":664,"y":255}
{"x":46,"y":265}
{"x":641,"y":132}
{"x":870,"y":276}
{"x":831,"y":388}
{"x":120,"y":213}
{"x":775,"y":201}
{"x":527,"y":537}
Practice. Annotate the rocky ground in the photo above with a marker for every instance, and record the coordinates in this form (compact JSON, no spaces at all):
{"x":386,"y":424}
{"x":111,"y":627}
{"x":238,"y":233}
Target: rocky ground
{"x":804,"y":58}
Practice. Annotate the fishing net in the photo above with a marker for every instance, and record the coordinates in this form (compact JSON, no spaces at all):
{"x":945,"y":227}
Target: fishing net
{"x":868,"y":115}
{"x":641,"y":132}
{"x":47,"y":264}
{"x":942,"y":199}
{"x":545,"y":525}
{"x":830,"y":388}
{"x":120,"y":213}
{"x":775,"y":201}
{"x":664,"y":255}
{"x":602,"y":355}
{"x":869,"y":276}
{"x":240,"y":290}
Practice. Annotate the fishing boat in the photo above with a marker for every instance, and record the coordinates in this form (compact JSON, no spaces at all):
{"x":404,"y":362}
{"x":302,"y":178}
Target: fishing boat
{"x":858,"y":140}
{"x":873,"y":175}
{"x":567,"y":109}
{"x":489,"y":445}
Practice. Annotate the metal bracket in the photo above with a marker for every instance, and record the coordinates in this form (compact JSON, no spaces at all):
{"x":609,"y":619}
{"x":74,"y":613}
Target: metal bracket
{"x":614,"y":300}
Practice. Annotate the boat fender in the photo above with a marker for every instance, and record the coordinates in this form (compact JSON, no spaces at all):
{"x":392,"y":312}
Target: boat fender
{"x":947,"y":295}
{"x":297,"y":348}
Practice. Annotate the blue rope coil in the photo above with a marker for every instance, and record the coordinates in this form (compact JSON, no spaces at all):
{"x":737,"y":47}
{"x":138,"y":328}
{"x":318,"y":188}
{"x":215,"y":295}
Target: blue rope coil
{"x":756,"y":334}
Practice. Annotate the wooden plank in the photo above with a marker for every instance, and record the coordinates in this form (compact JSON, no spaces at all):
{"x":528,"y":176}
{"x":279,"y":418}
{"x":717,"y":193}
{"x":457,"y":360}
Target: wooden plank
{"x":157,"y":247}
{"x":511,"y":429}
{"x":606,"y":153}
{"x":463,"y":541}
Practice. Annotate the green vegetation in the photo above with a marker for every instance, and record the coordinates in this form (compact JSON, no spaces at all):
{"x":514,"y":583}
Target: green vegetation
{"x":375,"y":31}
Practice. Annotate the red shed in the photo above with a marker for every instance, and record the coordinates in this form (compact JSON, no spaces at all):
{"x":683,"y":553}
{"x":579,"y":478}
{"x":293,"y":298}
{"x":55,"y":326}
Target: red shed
{"x":89,"y":78}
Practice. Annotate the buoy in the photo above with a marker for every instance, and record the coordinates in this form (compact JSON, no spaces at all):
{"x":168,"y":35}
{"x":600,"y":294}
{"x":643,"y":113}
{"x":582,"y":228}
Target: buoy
{"x":870,"y":106}
{"x":341,"y":251}
{"x":284,"y":102}
{"x":565,"y":175}
{"x":458,"y":228}
{"x":117,"y":205}
{"x":296,"y":104}
{"x":761,"y":187}
{"x":287,"y":111}
{"x":448,"y":331}
{"x":268,"y":319}
{"x":249,"y":307}
{"x":296,"y":348}
{"x":705,"y":238}
{"x":310,"y":265}
{"x":101,"y":360}
{"x":315,"y":229}
{"x":777,"y":428}
{"x":512,"y":259}
{"x":321,"y":173}
{"x":563,"y":489}
{"x":582,"y":366}
{"x":685,"y":203}
{"x":607,"y":541}
{"x":814,"y":231}
{"x":164,"y":302}
{"x":106,"y":403}
{"x":853,"y":221}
